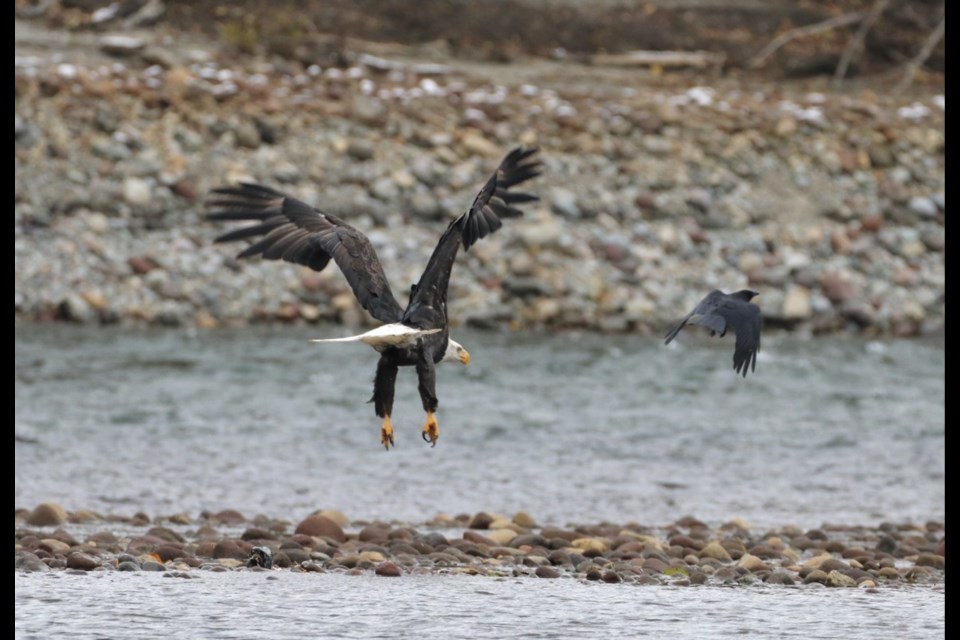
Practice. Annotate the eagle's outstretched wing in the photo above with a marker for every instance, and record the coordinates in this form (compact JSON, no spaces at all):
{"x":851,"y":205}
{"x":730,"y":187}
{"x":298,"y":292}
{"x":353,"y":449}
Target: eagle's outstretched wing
{"x":495,"y":201}
{"x":291,"y":230}
{"x":720,"y":311}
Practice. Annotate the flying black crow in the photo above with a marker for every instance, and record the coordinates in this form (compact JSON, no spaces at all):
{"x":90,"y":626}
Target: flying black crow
{"x":720,"y":311}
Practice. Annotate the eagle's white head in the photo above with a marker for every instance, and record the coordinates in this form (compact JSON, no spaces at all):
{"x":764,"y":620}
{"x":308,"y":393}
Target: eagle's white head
{"x":455,"y":351}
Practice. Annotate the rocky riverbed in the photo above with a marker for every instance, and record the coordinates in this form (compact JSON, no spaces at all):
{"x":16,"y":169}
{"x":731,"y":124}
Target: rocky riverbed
{"x":683,"y":553}
{"x":656,"y":186}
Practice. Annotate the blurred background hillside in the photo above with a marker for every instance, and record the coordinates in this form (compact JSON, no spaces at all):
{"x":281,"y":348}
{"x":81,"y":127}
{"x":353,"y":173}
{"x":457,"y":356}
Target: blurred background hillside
{"x":793,"y":147}
{"x":316,"y":32}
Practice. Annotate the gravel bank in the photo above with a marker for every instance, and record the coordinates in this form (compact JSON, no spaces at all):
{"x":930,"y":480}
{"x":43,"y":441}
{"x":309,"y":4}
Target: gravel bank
{"x":683,"y":553}
{"x":655,"y":190}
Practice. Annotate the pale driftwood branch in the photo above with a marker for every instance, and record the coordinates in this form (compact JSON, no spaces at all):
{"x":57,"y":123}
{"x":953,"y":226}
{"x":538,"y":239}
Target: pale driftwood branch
{"x":856,"y":42}
{"x":665,"y":59}
{"x":383,"y":64}
{"x":807,"y":30}
{"x":917,"y":61}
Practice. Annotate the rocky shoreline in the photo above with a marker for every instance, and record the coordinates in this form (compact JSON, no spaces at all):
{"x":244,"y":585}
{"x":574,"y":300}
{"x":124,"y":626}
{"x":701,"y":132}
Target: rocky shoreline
{"x":686,"y":552}
{"x":656,"y":188}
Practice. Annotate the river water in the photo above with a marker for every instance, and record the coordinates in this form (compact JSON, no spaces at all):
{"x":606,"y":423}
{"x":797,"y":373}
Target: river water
{"x":572,"y":428}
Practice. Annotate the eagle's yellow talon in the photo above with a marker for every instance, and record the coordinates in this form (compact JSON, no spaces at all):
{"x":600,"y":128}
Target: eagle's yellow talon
{"x":386,"y":434}
{"x":431,"y":430}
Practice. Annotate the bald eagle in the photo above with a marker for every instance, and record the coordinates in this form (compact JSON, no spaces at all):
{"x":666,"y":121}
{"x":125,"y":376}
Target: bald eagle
{"x":418,"y":335}
{"x":720,"y":311}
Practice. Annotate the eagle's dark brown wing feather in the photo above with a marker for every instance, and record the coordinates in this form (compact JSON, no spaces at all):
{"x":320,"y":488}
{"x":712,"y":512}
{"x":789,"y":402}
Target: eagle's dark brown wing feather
{"x":427,"y":306}
{"x":293,"y":231}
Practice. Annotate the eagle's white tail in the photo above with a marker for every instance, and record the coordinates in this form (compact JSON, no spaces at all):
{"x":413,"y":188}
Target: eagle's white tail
{"x":388,"y":335}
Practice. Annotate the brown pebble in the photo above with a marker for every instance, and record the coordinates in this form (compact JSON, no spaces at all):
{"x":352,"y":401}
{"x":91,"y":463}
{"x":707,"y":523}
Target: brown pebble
{"x":524,"y":519}
{"x":256,"y":533}
{"x":816,"y":576}
{"x":374,"y":533}
{"x":481,"y":521}
{"x":779,"y":577}
{"x":388,"y":569}
{"x":185,"y":188}
{"x":764,"y":551}
{"x":856,"y":553}
{"x":53,"y":547}
{"x":545,"y":571}
{"x":400,"y":547}
{"x":169,"y":552}
{"x":142,"y":265}
{"x":655,"y":565}
{"x":611,"y":577}
{"x":548,"y":533}
{"x":478,"y":538}
{"x":302,"y":540}
{"x":528,"y":540}
{"x":294,"y":556}
{"x":47,"y":515}
{"x":166,"y":534}
{"x":228,"y":516}
{"x":402,"y":533}
{"x":683,"y":540}
{"x":471,"y":548}
{"x":317,"y":525}
{"x":84,"y":515}
{"x":64,"y":536}
{"x":716,"y":551}
{"x":103,"y":538}
{"x":871,"y":222}
{"x":833,"y":546}
{"x":82,"y":561}
{"x":891,"y":573}
{"x":833,"y":564}
{"x":435,"y":540}
{"x":689,"y":522}
{"x":931,"y":560}
{"x":229,"y":549}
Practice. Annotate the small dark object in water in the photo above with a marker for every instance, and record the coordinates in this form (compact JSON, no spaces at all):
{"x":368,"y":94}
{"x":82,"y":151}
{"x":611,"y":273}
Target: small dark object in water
{"x":260,"y":557}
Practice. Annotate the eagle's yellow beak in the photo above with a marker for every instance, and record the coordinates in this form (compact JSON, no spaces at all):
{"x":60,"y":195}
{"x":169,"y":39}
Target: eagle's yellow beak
{"x":464,"y":357}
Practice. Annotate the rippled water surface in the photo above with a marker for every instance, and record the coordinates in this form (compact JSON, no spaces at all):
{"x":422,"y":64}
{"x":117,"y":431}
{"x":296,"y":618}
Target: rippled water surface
{"x":245,"y":605}
{"x":571,"y":428}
